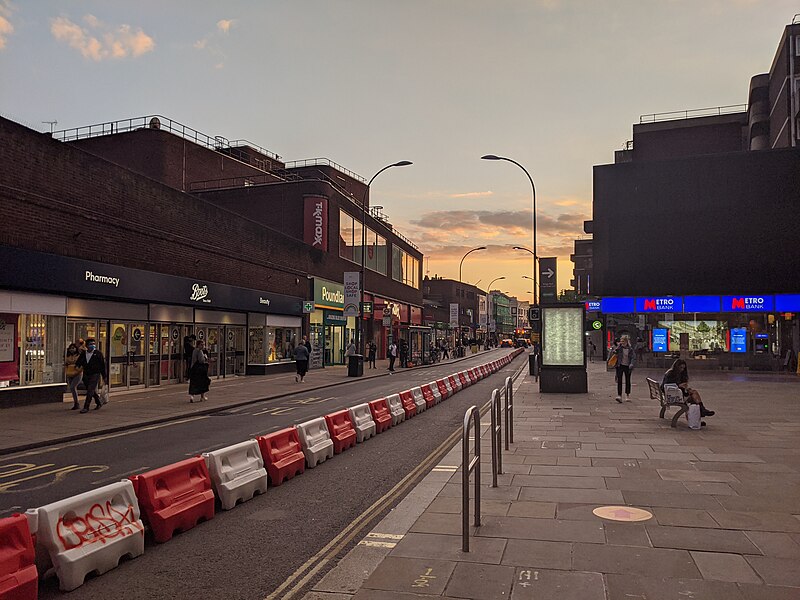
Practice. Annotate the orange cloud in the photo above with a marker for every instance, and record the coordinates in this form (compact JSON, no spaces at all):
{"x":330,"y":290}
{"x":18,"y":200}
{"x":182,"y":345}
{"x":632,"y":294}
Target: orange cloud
{"x":100,"y":41}
{"x":472,"y":194}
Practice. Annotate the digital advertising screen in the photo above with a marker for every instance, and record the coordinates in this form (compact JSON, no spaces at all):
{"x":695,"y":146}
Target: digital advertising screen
{"x":562,"y":336}
{"x":739,"y":339}
{"x":660,"y":340}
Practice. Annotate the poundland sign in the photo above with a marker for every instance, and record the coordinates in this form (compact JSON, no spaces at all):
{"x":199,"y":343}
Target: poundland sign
{"x":668,"y":304}
{"x":328,"y":294}
{"x":748,"y":303}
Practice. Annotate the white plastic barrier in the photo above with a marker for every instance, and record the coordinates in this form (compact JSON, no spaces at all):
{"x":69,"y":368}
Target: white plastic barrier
{"x":435,"y":389}
{"x":449,"y":386}
{"x":237,"y":473}
{"x":361,"y":417}
{"x":316,"y":441}
{"x":466,"y":378}
{"x":396,"y":408}
{"x":458,"y":385}
{"x":419,"y":399}
{"x":90,"y":532}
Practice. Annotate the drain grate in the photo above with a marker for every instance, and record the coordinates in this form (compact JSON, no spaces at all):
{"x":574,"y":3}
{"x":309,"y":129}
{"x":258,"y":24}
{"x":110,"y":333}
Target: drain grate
{"x":562,"y":408}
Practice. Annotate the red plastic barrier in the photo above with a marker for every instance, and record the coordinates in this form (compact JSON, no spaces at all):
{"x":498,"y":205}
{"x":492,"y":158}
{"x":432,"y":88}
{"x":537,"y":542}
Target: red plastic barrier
{"x":473,"y":376}
{"x":176,"y":497}
{"x":465,"y":382}
{"x":380,"y":414}
{"x":282,"y":454}
{"x":341,"y":429}
{"x":427,"y":393}
{"x":453,"y":383}
{"x":442,"y":388}
{"x":407,"y":398}
{"x":18,"y":575}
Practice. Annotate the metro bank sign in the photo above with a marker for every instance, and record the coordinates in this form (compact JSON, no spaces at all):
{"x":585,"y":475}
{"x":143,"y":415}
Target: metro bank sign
{"x":748,"y":303}
{"x":666,"y":304}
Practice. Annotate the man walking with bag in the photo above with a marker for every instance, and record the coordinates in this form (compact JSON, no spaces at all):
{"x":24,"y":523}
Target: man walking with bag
{"x":392,"y":356}
{"x":94,"y":369}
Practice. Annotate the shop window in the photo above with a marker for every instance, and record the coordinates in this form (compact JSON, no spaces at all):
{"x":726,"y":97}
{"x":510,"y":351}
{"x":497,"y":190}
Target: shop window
{"x":32,"y":349}
{"x":346,"y":230}
{"x":272,"y":344}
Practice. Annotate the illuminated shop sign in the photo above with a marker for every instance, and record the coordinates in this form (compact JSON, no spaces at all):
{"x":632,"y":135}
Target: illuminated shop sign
{"x":787,"y":303}
{"x":739,"y":339}
{"x":701,"y":304}
{"x":592,"y":305}
{"x":660,"y":340}
{"x":748,"y":303}
{"x":617,"y":305}
{"x":666,"y":304}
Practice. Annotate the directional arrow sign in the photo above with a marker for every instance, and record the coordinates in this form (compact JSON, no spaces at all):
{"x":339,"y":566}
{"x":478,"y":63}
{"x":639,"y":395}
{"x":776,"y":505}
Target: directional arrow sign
{"x":548,"y":279}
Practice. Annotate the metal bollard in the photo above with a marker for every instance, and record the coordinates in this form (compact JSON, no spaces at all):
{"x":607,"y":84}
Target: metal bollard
{"x":471,"y":417}
{"x":509,"y":412}
{"x":497,"y":433}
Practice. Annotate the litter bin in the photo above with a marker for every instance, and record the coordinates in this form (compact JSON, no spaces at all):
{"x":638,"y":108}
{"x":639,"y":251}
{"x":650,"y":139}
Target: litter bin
{"x":355,"y":365}
{"x":533,"y":368}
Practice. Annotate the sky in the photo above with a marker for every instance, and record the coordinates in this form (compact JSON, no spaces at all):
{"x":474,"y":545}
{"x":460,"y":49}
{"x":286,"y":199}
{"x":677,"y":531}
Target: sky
{"x":555,"y":85}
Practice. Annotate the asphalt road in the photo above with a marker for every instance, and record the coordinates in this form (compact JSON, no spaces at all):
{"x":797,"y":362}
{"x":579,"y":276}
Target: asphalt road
{"x":249,"y":551}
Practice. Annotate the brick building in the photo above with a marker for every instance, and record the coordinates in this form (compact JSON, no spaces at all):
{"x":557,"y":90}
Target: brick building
{"x":439,"y":294}
{"x":142,"y":232}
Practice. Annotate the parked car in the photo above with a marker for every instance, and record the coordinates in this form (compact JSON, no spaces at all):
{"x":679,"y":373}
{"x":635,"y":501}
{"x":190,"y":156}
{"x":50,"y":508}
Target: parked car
{"x":506,"y":343}
{"x":521,"y":343}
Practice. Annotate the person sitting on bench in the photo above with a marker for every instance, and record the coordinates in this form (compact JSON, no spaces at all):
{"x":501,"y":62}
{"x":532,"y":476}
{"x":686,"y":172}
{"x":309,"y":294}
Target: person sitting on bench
{"x":678,"y":374}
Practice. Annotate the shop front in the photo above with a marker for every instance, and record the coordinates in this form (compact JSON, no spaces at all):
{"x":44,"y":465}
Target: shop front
{"x":331,"y":331}
{"x":140,"y":319}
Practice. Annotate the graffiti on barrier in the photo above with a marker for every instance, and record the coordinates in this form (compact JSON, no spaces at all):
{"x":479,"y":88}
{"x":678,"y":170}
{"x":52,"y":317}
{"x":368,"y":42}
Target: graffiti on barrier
{"x":100,"y":524}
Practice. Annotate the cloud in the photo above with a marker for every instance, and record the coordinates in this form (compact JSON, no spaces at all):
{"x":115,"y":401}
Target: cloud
{"x":200,"y":44}
{"x":6,"y":28}
{"x":224,"y":25}
{"x":472,"y":194}
{"x":101,"y":41}
{"x":492,"y":223}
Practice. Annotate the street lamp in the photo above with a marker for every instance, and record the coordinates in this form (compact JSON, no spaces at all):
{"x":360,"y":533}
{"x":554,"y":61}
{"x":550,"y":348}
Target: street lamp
{"x":533,"y":189}
{"x":362,"y":278}
{"x":465,"y":256}
{"x":489,"y":287}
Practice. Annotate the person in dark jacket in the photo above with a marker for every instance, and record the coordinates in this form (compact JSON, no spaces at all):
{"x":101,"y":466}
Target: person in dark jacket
{"x":679,"y":375}
{"x":93,"y":364}
{"x":626,"y":362}
{"x":198,"y":373}
{"x":301,"y":357}
{"x":188,"y":350}
{"x":372,"y":354}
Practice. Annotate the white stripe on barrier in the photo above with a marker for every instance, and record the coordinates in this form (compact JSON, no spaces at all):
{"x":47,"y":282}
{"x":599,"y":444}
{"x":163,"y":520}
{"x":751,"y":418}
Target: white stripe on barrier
{"x":396,"y":408}
{"x":419,"y":399}
{"x":316,"y":441}
{"x":436,"y":393}
{"x":91,"y":532}
{"x":237,"y":473}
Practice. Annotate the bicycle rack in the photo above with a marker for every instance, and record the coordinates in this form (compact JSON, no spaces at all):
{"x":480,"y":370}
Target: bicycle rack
{"x":497,"y":433}
{"x":471,"y":418}
{"x":509,"y":410}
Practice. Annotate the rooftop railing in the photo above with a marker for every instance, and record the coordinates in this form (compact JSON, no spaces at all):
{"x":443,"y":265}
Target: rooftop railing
{"x":693,"y":113}
{"x":234,"y":148}
{"x":324,"y":162}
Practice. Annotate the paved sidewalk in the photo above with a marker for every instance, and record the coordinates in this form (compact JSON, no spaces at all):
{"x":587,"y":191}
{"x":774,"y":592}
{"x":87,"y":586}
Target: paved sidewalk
{"x":725,"y":505}
{"x":26,"y":427}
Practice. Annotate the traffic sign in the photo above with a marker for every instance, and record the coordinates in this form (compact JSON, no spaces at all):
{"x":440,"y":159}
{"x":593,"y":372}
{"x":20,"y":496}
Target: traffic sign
{"x":534,"y":313}
{"x":308,"y":307}
{"x":366,"y":308}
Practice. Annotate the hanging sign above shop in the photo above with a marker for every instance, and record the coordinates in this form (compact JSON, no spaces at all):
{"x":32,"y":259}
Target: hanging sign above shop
{"x":753,"y":302}
{"x":352,"y":291}
{"x":663,"y":304}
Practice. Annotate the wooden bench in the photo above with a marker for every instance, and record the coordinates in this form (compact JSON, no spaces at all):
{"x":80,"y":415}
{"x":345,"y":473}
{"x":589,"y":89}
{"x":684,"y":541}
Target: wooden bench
{"x":656,"y":393}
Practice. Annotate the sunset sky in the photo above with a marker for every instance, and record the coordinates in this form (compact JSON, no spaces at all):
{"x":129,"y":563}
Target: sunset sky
{"x":554,"y":84}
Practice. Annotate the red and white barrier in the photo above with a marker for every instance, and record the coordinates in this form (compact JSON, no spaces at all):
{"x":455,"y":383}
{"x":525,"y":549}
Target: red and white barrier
{"x":18,"y":575}
{"x":316,"y":441}
{"x":381,"y":414}
{"x":396,"y":408}
{"x":419,"y":399}
{"x":282,"y":454}
{"x":361,"y":416}
{"x":237,"y":473}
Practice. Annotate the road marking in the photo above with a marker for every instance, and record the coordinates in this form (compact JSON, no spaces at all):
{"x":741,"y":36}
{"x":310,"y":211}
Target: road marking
{"x":13,"y":509}
{"x":98,"y":439}
{"x":119,"y":476}
{"x":59,"y":473}
{"x":444,"y":469}
{"x":373,"y":544}
{"x":312,"y":566}
{"x":385,"y":536}
{"x":275,"y":410}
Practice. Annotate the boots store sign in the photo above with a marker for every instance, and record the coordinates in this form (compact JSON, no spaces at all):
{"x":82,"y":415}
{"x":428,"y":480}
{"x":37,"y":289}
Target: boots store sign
{"x":36,"y":271}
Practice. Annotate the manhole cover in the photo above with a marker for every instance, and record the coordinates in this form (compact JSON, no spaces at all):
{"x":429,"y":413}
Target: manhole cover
{"x":622,"y":513}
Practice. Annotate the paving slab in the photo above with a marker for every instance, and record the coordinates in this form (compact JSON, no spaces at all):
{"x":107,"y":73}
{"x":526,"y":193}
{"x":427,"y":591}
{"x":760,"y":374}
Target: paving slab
{"x":412,"y":575}
{"x":448,"y":547}
{"x":536,"y":510}
{"x":599,"y":497}
{"x":538,"y":584}
{"x":559,"y":481}
{"x":578,"y":471}
{"x":626,"y":534}
{"x":481,"y":582}
{"x":626,"y":587}
{"x":689,"y":475}
{"x":725,"y":567}
{"x":777,"y":571}
{"x":634,"y":560}
{"x":691,"y":538}
{"x":684,"y":517}
{"x":541,"y":529}
{"x":751,"y":591}
{"x":757,"y":521}
{"x":689,"y":501}
{"x":777,"y":545}
{"x":538,"y":554}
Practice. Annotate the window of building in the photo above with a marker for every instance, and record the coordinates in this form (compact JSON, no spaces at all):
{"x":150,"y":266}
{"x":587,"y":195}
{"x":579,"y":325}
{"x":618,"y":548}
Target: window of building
{"x":272,"y":344}
{"x":346,"y":227}
{"x":32,"y":349}
{"x":350,"y":232}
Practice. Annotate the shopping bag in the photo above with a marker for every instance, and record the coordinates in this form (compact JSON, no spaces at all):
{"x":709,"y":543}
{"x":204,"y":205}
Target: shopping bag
{"x":103,"y":392}
{"x":673,"y":394}
{"x":694,"y":416}
{"x":612,"y":361}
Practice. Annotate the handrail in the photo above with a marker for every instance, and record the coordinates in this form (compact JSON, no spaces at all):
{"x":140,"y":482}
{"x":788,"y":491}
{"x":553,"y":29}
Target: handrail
{"x":158,"y":122}
{"x":471,"y":417}
{"x":675,"y":115}
{"x":496,"y":433}
{"x":509,"y":410}
{"x":326,"y":162}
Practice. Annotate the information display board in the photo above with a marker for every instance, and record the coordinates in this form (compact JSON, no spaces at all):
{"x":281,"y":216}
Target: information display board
{"x":739,"y":339}
{"x":563,"y":343}
{"x":660,"y":340}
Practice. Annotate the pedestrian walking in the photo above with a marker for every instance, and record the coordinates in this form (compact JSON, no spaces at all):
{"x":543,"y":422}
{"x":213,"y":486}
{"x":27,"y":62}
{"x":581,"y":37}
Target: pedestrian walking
{"x":403,"y":351}
{"x":93,"y":364}
{"x":199,"y":381}
{"x":392,"y":356}
{"x":72,"y":373}
{"x":592,"y":350}
{"x":626,"y":361}
{"x":188,"y":350}
{"x":301,"y":356}
{"x":307,"y":344}
{"x":372,"y":355}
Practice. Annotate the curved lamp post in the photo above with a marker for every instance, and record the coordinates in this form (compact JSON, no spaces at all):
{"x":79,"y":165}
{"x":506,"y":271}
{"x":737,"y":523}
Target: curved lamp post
{"x":533,"y":189}
{"x":362,"y":278}
{"x":465,"y":256}
{"x":489,"y":287}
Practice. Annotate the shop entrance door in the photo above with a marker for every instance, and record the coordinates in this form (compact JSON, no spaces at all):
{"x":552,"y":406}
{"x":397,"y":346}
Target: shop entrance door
{"x":234,"y":350}
{"x":210,"y":335}
{"x":127,"y":356}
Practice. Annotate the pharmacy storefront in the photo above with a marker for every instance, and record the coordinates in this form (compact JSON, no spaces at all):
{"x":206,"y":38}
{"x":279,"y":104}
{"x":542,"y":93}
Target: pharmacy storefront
{"x":141,"y":320}
{"x":330,"y":330}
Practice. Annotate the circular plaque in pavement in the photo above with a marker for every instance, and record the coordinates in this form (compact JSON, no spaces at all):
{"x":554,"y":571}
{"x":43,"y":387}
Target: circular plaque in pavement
{"x":622,"y":513}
